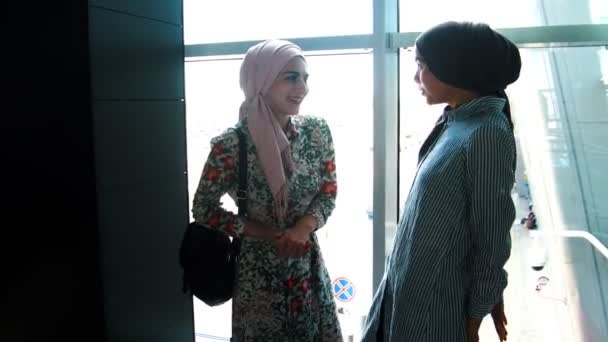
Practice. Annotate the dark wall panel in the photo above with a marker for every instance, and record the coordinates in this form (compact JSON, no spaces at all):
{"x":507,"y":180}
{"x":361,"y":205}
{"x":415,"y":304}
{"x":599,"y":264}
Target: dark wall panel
{"x":139,"y":142}
{"x":49,"y":220}
{"x":135,"y":58}
{"x":141,"y":227}
{"x":169,"y":11}
{"x":137,"y":68}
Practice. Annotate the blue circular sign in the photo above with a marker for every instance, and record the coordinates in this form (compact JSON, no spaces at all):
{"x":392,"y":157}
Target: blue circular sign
{"x":343,"y":289}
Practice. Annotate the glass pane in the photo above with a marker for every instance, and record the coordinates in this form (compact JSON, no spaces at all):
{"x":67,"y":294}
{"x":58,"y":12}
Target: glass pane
{"x":416,"y":120}
{"x":238,"y":20}
{"x":420,"y":15}
{"x":560,"y":111}
{"x":208,"y":115}
{"x":340,"y":92}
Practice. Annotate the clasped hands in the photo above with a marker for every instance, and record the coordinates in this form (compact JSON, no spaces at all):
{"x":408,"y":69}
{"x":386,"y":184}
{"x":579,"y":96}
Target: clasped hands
{"x":293,"y":242}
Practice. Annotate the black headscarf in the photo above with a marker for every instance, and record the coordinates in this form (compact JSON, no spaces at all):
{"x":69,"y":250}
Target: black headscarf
{"x":471,"y":56}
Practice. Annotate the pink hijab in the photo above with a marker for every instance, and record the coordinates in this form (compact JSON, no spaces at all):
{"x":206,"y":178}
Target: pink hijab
{"x":261,"y":66}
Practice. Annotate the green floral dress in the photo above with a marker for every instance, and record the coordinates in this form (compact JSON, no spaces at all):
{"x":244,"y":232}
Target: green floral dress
{"x":276,"y":299}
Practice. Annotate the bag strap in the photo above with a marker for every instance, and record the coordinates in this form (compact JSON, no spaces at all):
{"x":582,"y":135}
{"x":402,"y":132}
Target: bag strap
{"x":241,"y":193}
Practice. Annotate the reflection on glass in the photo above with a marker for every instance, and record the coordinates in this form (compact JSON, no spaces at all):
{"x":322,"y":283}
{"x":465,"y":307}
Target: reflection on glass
{"x":340,"y":92}
{"x":240,"y":20}
{"x":560,"y":111}
{"x":418,"y":16}
{"x":564,"y":153}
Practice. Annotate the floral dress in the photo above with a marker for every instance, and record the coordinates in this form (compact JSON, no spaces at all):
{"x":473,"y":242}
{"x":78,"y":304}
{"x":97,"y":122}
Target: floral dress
{"x":276,"y":299}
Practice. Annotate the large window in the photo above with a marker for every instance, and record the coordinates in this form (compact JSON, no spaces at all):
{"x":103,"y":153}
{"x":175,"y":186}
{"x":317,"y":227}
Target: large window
{"x":560,"y":110}
{"x":420,"y":15}
{"x":561,"y":114}
{"x":241,"y":20}
{"x":341,"y":92}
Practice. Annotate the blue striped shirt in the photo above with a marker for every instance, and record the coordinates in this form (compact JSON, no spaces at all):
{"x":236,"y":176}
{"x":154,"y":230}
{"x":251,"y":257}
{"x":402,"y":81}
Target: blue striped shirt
{"x":448,"y":257}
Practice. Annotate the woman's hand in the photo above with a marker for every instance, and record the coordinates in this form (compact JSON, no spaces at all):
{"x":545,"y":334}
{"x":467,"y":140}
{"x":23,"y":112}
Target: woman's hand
{"x":257,"y":230}
{"x":295,"y":241}
{"x":472,"y":327}
{"x":500,"y":321}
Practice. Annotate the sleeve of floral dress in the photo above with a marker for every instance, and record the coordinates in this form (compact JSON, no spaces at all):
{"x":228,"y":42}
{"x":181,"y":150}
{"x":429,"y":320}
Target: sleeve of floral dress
{"x":325,"y":201}
{"x":218,"y":177}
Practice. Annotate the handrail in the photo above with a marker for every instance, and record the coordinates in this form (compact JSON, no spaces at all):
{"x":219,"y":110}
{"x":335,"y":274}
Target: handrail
{"x":587,"y":236}
{"x":580,"y":234}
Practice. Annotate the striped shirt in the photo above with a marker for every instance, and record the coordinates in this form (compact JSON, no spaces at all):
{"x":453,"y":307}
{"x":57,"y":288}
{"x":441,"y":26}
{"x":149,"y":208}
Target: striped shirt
{"x":448,"y":257}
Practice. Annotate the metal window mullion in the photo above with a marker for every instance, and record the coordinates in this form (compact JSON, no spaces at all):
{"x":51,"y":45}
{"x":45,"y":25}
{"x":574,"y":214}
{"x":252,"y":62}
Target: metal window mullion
{"x":363,"y":41}
{"x":541,"y":36}
{"x":385,"y":129}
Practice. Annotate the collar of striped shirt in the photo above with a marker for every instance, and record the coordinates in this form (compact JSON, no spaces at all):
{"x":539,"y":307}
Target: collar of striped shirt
{"x":479,"y":105}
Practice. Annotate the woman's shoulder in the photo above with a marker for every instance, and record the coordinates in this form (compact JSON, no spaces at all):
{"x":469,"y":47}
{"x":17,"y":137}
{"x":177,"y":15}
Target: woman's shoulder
{"x":229,"y":138}
{"x":487,"y":116}
{"x":494,"y":121}
{"x":492,"y":129}
{"x":309,"y":122}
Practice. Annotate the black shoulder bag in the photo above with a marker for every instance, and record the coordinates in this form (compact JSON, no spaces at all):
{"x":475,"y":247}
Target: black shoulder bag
{"x":208,"y":256}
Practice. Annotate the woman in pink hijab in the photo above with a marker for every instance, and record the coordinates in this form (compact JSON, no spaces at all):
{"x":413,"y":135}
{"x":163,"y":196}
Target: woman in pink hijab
{"x":283,"y":290}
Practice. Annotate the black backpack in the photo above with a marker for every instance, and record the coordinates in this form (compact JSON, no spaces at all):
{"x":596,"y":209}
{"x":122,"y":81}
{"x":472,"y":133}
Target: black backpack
{"x":208,"y":256}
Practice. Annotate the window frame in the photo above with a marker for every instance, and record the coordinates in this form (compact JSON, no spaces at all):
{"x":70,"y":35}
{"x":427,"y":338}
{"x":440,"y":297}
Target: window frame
{"x":386,"y":42}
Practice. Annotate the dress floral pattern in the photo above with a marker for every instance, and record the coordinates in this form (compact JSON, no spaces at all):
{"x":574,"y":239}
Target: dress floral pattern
{"x":276,"y":299}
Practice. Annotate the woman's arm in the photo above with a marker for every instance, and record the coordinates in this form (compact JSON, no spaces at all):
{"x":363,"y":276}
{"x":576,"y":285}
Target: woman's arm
{"x":218,"y":177}
{"x":295,"y":241}
{"x":324,"y":202}
{"x":490,"y":177}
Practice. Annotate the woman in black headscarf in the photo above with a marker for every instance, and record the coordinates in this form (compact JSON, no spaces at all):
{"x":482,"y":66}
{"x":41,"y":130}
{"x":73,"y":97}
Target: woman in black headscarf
{"x":445,"y":272}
